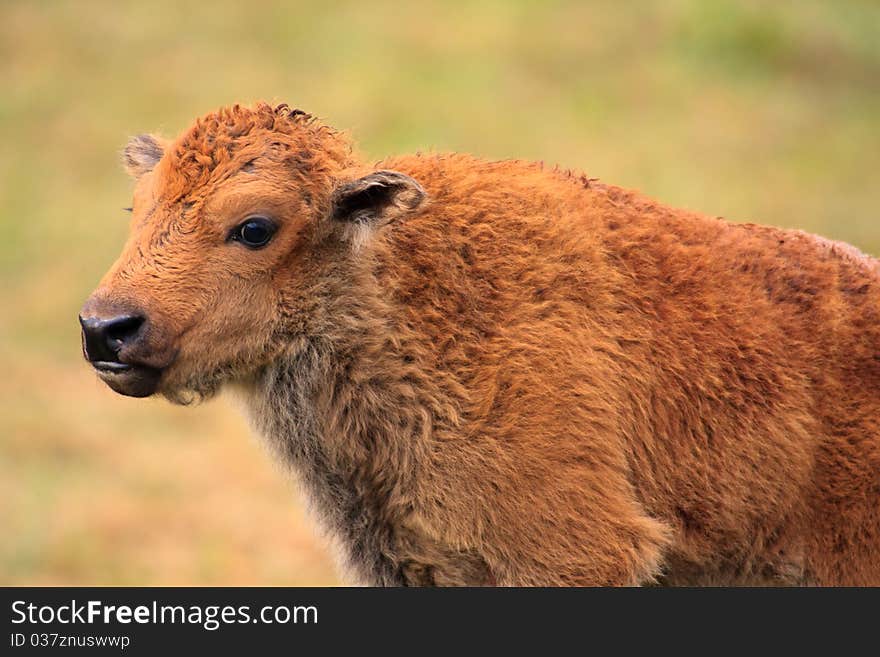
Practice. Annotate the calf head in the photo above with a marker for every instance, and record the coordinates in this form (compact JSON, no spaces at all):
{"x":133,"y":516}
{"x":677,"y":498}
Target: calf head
{"x":237,"y":227}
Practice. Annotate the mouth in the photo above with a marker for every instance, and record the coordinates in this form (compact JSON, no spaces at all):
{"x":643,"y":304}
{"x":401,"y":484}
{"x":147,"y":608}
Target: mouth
{"x":127,"y":379}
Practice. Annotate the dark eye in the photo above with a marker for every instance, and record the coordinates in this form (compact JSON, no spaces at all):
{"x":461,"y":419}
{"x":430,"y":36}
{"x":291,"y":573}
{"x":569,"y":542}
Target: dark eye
{"x":253,"y":232}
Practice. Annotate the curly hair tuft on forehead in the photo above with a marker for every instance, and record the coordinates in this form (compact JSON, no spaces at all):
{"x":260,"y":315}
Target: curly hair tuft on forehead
{"x":222,"y":142}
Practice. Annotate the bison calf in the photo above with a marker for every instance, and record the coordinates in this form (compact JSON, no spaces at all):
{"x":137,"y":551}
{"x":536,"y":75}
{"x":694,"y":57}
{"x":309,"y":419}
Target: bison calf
{"x":496,"y":373}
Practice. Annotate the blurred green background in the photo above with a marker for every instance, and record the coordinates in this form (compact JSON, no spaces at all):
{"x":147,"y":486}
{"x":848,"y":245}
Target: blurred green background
{"x":760,"y":111}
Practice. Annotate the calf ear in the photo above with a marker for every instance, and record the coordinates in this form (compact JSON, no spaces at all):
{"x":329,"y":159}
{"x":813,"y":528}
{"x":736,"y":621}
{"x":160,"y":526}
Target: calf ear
{"x":141,"y":154}
{"x":377,"y":198}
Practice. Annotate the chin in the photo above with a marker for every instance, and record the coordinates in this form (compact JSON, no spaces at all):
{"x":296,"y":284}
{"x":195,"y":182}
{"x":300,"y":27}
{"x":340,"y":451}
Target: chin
{"x":185,"y":388}
{"x":194,"y":389}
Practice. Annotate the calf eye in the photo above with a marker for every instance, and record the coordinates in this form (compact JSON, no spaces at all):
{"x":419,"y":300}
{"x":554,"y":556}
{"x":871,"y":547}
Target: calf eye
{"x":253,"y":232}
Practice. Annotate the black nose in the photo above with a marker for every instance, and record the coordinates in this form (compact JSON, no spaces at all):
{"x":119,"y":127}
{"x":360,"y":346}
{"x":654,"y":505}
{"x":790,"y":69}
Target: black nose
{"x":103,"y":339}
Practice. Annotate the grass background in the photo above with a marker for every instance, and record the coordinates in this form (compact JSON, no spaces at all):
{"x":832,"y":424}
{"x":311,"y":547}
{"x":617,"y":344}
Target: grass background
{"x":751,"y":110}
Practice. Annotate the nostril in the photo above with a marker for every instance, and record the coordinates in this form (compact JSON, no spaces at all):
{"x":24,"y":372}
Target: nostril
{"x":122,"y":329}
{"x":103,"y":339}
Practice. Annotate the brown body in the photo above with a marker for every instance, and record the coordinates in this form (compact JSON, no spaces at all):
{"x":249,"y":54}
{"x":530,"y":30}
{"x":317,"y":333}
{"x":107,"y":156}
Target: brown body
{"x":497,"y":373}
